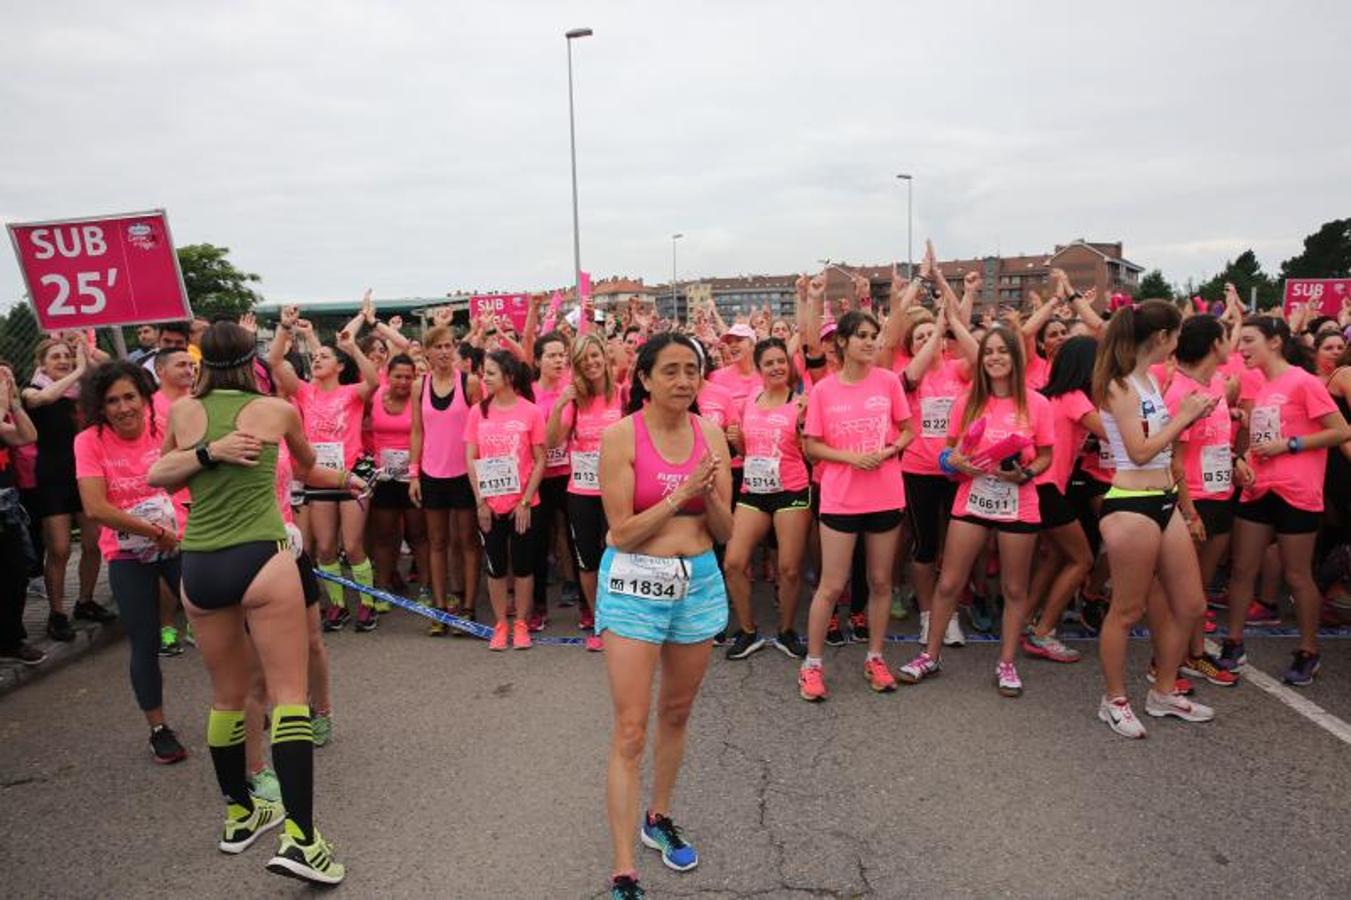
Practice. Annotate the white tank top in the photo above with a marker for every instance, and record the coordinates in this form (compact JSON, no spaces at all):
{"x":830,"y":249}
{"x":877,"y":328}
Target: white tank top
{"x":1153,"y":416}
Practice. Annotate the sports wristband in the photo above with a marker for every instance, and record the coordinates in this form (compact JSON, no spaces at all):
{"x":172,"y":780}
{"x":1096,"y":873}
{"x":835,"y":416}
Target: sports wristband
{"x":204,"y":456}
{"x":414,"y":471}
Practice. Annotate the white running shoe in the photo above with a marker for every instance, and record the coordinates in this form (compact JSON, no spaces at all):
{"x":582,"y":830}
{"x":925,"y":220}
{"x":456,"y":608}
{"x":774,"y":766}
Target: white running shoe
{"x":1120,"y":717}
{"x":924,"y":628}
{"x":952,"y":635}
{"x":1160,"y":705}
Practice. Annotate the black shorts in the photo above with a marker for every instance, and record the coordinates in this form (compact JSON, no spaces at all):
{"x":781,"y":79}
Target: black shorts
{"x":738,"y":473}
{"x":391,"y":495}
{"x":1056,"y":510}
{"x":928,"y":501}
{"x":1272,"y":509}
{"x":769,"y":504}
{"x":215,"y":579}
{"x":1156,"y":505}
{"x":586,"y":521}
{"x":504,"y":548}
{"x":447,"y":493}
{"x":1216,"y":515}
{"x":863,"y":523}
{"x":1014,"y":527}
{"x":309,"y":583}
{"x":59,"y":499}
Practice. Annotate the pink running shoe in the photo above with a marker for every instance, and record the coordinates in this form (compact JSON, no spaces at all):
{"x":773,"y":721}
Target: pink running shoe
{"x":811,"y":684}
{"x":499,"y":638}
{"x":593,"y":643}
{"x":537,"y":622}
{"x":586,"y":620}
{"x":921,"y":667}
{"x":879,"y":675}
{"x":520,"y":635}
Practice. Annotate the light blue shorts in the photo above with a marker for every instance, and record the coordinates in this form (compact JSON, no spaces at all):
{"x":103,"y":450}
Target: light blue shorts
{"x":696,"y":617}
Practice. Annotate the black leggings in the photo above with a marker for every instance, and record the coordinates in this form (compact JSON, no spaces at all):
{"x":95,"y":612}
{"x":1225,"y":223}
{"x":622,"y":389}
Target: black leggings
{"x":13,"y":584}
{"x":135,"y":588}
{"x":553,"y":498}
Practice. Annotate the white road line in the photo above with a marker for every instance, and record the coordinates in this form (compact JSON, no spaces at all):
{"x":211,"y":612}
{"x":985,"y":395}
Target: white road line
{"x":1291,"y":698}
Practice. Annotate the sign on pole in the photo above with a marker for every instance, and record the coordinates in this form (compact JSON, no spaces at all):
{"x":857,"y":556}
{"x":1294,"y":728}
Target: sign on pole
{"x":1326,"y":294}
{"x":513,"y":306}
{"x":101,"y":270}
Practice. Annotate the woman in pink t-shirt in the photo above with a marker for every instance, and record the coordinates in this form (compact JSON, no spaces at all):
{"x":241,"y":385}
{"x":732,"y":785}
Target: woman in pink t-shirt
{"x":995,"y":495}
{"x":141,"y":525}
{"x":858,"y":422}
{"x":504,"y":449}
{"x":1293,"y":422}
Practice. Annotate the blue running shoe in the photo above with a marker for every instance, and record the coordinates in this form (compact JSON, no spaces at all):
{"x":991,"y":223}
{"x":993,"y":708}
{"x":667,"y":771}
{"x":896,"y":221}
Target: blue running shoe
{"x":660,"y":833}
{"x":1302,"y":669}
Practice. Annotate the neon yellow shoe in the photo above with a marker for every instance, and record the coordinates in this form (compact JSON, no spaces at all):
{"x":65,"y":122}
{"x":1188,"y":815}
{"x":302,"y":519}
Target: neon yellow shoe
{"x":243,"y":828}
{"x":308,"y":862}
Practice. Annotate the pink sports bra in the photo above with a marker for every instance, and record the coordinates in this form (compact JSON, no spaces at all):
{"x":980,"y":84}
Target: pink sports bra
{"x":654,"y":477}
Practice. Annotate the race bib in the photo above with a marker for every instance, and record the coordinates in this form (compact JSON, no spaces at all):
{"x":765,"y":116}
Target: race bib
{"x":395,"y":463}
{"x":933,"y":416}
{"x":761,"y":475}
{"x":157,"y":510}
{"x":294,"y":540}
{"x":586,"y":470}
{"x":1217,"y":469}
{"x":328,"y":455}
{"x":498,"y":476}
{"x":1265,"y":425}
{"x":556,"y":457}
{"x":992,"y":498}
{"x":648,"y":577}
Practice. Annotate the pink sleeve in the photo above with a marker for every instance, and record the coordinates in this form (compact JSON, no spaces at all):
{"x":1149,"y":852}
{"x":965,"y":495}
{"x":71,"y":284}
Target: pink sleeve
{"x":1317,"y":401}
{"x":536,"y":425}
{"x":88,"y":460}
{"x":813,"y":426}
{"x":1173,"y":400}
{"x":1077,"y":405}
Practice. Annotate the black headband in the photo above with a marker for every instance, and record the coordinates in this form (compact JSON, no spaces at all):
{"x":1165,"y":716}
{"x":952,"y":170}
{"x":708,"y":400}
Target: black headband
{"x":230,"y":363}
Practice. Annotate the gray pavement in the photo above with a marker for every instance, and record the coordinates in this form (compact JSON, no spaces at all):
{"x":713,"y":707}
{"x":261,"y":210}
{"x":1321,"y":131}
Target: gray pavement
{"x":456,"y":772}
{"x":88,"y":635}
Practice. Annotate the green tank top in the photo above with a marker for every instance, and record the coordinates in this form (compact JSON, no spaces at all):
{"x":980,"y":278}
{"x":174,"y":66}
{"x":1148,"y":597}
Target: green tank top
{"x":233,"y":505}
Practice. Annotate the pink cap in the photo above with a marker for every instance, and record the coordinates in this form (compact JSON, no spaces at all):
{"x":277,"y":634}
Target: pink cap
{"x":740,"y":330}
{"x":827,"y":328}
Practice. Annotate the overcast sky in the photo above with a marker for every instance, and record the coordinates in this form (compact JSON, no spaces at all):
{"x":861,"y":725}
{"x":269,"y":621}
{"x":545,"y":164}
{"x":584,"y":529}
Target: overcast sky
{"x":422,"y":147}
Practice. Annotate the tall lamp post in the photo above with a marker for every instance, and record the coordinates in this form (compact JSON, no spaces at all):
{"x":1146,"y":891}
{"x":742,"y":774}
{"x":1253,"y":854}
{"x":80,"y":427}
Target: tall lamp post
{"x":572,"y":141}
{"x":909,"y":225}
{"x":675,"y":307}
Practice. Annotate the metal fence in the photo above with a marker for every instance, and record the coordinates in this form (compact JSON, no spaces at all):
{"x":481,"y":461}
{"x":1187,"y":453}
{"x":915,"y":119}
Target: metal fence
{"x":20,"y":336}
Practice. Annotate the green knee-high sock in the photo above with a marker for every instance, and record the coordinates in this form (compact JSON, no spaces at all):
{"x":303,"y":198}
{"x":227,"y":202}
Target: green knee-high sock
{"x":363,"y":574}
{"x":225,"y":737}
{"x":293,"y":757}
{"x":335,"y":590}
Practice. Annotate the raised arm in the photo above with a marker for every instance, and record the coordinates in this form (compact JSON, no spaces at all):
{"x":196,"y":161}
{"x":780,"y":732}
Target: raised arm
{"x":370,"y":375}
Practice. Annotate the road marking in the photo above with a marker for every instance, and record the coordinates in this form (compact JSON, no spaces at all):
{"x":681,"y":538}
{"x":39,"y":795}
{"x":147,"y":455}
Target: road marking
{"x":1302,"y":705}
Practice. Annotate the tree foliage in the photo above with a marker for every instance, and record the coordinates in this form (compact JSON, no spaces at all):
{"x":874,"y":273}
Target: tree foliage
{"x":1246,"y":273}
{"x":1154,"y":285}
{"x":215,"y":286}
{"x":1327,"y":253}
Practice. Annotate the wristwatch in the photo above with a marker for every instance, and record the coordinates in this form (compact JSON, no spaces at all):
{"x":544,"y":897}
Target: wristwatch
{"x":204,"y":456}
{"x":1294,"y":445}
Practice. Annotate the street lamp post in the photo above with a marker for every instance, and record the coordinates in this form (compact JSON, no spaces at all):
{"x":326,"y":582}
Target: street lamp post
{"x":572,"y":141}
{"x":909,"y":225}
{"x":675,"y":306}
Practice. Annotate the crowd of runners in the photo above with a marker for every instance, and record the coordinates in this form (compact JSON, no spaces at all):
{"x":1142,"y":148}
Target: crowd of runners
{"x":1081,"y":459}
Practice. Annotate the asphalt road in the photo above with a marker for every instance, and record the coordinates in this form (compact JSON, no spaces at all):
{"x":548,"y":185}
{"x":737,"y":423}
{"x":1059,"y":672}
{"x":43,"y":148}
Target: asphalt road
{"x":455,"y":772}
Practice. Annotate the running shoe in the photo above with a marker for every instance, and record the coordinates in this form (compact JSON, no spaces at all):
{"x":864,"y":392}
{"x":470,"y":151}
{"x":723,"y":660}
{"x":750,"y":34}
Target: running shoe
{"x":625,"y":887}
{"x":90,"y":611}
{"x":586,"y":620}
{"x":58,"y":628}
{"x":879,"y":675}
{"x":322,"y":723}
{"x":921,"y":667}
{"x":1092,"y":612}
{"x":437,"y":629}
{"x":834,"y":636}
{"x":790,"y":645}
{"x":1049,"y":647}
{"x":1160,"y":705}
{"x":569,"y":594}
{"x":425,"y":596}
{"x":924,"y":627}
{"x":744,"y":644}
{"x":1181,"y":684}
{"x":1303,"y":667}
{"x":1208,"y":624}
{"x":165,"y":746}
{"x":981,"y":614}
{"x":1120,"y":717}
{"x":25,"y":653}
{"x":900,"y":601}
{"x":1232,"y":655}
{"x":811,"y":684}
{"x":520,"y":635}
{"x":593,"y":642}
{"x":537,"y":622}
{"x":858,"y":628}
{"x":1261,"y":615}
{"x":169,"y":645}
{"x":1217,"y":600}
{"x":311,"y":861}
{"x":335,"y":618}
{"x":1208,"y":667}
{"x":499,"y":638}
{"x":952,"y":635}
{"x":660,"y":833}
{"x":720,"y":639}
{"x":366,"y":619}
{"x":264,"y":785}
{"x":1007,"y":680}
{"x":242,"y":829}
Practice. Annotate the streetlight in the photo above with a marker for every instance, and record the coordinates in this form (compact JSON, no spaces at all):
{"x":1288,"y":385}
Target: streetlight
{"x":572,"y":141}
{"x":674,"y":305}
{"x":909,"y":225}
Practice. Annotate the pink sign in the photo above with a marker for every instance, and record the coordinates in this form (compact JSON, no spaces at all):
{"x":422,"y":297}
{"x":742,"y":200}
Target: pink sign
{"x":1327,"y":294}
{"x":513,"y":306}
{"x":104,"y":270}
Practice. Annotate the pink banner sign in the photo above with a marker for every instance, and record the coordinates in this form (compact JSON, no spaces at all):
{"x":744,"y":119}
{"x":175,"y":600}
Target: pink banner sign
{"x":103,"y":270}
{"x":1327,"y":294}
{"x":513,"y":306}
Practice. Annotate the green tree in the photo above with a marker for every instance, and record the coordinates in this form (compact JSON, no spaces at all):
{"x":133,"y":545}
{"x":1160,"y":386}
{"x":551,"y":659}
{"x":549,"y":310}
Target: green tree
{"x":215,"y":286}
{"x":1327,"y":253}
{"x":1154,"y":285}
{"x":1246,"y":273}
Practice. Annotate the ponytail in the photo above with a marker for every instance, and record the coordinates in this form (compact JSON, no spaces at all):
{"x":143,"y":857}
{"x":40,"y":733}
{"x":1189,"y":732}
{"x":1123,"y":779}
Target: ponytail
{"x":515,"y":372}
{"x":1128,"y":330}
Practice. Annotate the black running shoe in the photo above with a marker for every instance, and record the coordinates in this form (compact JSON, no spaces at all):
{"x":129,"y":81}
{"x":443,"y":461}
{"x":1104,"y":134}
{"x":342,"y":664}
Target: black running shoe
{"x":58,"y":628}
{"x":625,"y":887}
{"x":335,"y":618}
{"x":834,"y":636}
{"x":164,"y":744}
{"x":790,"y":645}
{"x":720,"y":639}
{"x":24,"y":653}
{"x":94,"y":612}
{"x":744,"y":644}
{"x":858,"y":627}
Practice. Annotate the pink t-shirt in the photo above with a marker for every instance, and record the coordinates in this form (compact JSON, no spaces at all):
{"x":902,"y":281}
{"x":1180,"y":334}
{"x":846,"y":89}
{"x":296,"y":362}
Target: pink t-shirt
{"x":863,"y":417}
{"x":989,"y":497}
{"x":505,"y":440}
{"x":741,"y":388}
{"x":333,"y":423}
{"x":1067,"y":418}
{"x":585,"y":423}
{"x":123,"y":466}
{"x":1037,"y":373}
{"x":555,"y":458}
{"x":773,"y":449}
{"x":717,"y":405}
{"x":1287,"y":406}
{"x":930,"y":404}
{"x":1208,"y":452}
